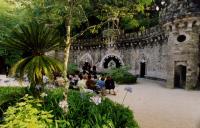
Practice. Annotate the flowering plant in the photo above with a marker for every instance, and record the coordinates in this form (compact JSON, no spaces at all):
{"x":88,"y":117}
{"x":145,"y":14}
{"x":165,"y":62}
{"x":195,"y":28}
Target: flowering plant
{"x":64,"y":105}
{"x":96,"y":99}
{"x":43,"y":94}
{"x":127,"y":89}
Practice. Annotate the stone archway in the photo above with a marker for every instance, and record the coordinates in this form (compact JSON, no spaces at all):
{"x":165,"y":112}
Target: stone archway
{"x":86,"y":58}
{"x":111,"y":61}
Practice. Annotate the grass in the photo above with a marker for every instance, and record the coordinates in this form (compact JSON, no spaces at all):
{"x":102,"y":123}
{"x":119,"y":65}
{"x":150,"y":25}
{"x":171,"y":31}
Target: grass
{"x":7,"y":93}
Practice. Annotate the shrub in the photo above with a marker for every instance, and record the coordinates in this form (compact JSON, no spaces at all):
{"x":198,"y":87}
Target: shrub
{"x":27,"y":113}
{"x":121,"y":75}
{"x":72,"y":69}
{"x":51,"y":102}
{"x":9,"y":96}
{"x":84,"y":113}
{"x":9,"y":93}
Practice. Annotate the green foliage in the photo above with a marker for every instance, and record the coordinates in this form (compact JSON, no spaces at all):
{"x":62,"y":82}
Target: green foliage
{"x":10,"y":16}
{"x":128,"y":23}
{"x":12,"y":57}
{"x":34,"y":40}
{"x":84,"y":13}
{"x":51,"y":102}
{"x":27,"y":113}
{"x":121,"y":75}
{"x":72,"y":69}
{"x":127,"y":11}
{"x":7,"y":94}
{"x":84,"y":113}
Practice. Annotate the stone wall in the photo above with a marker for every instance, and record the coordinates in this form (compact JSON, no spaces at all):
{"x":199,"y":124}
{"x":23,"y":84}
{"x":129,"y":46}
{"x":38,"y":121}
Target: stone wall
{"x":170,"y":51}
{"x":149,"y":46}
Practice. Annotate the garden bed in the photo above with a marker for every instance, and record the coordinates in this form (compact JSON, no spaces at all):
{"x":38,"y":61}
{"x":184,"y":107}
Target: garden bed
{"x":84,"y":110}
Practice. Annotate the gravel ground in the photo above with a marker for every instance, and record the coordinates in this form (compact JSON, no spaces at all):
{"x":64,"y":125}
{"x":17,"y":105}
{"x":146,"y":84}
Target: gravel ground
{"x":155,"y":106}
{"x":8,"y":81}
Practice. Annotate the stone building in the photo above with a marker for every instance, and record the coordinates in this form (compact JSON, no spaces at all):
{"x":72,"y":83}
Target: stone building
{"x":168,"y":51}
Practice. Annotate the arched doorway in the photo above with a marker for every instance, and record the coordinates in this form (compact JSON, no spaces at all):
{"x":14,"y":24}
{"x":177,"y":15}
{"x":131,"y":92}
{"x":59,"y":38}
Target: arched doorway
{"x":86,"y":67}
{"x":142,"y":69}
{"x":180,"y":76}
{"x":112,"y":62}
{"x":85,"y":62}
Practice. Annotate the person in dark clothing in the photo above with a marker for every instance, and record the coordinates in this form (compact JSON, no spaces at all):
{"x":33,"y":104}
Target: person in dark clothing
{"x":94,"y":70}
{"x":90,"y":83}
{"x":7,"y":67}
{"x":110,"y":85}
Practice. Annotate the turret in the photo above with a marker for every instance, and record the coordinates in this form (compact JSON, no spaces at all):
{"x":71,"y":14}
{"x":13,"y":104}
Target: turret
{"x":181,"y":20}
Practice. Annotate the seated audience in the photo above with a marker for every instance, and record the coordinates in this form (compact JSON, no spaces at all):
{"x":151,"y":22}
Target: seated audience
{"x":90,"y":83}
{"x":82,"y":83}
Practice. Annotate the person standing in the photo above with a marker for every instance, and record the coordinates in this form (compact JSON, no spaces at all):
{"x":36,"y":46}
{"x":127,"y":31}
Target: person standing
{"x":94,"y":70}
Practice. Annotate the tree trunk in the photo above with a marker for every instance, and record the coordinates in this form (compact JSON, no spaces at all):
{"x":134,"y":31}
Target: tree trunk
{"x":66,"y":57}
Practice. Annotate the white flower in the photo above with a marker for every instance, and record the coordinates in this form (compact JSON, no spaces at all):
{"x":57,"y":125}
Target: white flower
{"x":43,"y":94}
{"x":45,"y":79}
{"x":95,"y":99}
{"x":38,"y":87}
{"x":64,"y":105}
{"x":128,"y":89}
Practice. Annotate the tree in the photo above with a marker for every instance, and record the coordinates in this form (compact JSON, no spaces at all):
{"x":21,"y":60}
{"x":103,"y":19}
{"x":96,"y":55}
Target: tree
{"x":11,"y":15}
{"x":34,"y":40}
{"x":9,"y":18}
{"x":77,"y":12}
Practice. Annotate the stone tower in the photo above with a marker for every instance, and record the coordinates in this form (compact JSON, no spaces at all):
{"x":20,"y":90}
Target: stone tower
{"x":181,"y":20}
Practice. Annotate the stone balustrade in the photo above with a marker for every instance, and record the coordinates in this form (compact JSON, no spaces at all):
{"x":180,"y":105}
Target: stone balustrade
{"x":152,"y":36}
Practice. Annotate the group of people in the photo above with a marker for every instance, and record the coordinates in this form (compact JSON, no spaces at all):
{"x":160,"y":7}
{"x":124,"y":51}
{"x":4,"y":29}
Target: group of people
{"x":91,"y":83}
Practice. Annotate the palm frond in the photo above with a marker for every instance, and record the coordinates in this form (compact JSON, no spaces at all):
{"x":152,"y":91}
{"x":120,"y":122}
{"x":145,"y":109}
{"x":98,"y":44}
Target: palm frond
{"x":35,"y":67}
{"x":33,"y":37}
{"x":36,"y":39}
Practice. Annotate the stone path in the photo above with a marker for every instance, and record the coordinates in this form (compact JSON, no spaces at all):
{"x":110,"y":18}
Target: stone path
{"x":155,"y":106}
{"x":8,"y":81}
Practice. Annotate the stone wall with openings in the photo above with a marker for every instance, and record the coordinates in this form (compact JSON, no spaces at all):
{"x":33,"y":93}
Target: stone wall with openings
{"x":183,"y":50}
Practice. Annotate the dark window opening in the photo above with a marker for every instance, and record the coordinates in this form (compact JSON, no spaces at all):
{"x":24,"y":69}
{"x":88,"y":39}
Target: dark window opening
{"x":181,"y":38}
